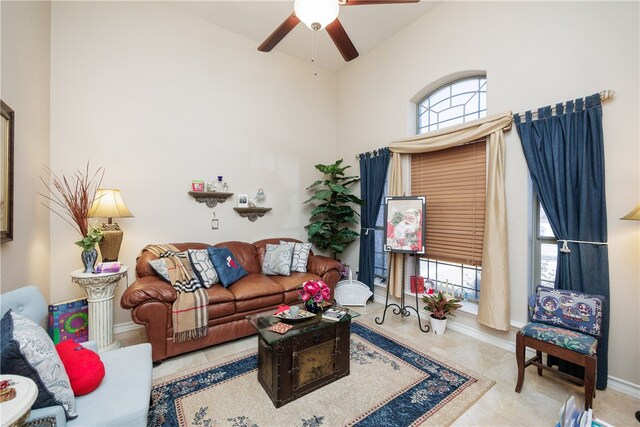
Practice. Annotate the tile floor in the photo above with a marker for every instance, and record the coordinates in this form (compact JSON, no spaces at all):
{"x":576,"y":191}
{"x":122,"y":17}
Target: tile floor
{"x":537,"y":405}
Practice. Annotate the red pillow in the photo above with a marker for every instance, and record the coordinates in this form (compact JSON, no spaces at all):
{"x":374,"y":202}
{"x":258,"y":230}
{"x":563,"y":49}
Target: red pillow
{"x":83,"y":366}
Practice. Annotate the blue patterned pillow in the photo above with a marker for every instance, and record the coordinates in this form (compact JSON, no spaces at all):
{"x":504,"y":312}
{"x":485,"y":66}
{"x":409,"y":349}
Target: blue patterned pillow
{"x":28,"y":351}
{"x":569,"y":309}
{"x":227,"y":266}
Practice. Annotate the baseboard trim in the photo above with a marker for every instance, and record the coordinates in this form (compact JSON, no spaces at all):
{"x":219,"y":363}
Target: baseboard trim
{"x":624,"y":387}
{"x":616,"y":384}
{"x":125,"y":327}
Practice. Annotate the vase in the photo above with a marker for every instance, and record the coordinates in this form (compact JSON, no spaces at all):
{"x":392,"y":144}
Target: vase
{"x":89,"y":259}
{"x":438,"y":325}
{"x":312,"y":307}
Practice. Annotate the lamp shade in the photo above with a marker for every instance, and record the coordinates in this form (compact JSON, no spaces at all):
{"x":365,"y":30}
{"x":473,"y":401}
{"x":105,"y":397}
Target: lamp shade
{"x":634,"y":214}
{"x":316,"y":14}
{"x":108,"y":203}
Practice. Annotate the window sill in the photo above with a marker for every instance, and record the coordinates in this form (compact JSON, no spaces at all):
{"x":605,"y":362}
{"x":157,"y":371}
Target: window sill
{"x":470,"y":308}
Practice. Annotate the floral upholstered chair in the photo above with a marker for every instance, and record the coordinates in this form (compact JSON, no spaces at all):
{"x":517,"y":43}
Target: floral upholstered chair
{"x":567,"y":325}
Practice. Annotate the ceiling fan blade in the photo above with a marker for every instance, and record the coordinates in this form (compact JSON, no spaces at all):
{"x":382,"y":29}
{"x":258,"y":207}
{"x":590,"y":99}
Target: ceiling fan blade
{"x":342,"y":41}
{"x":280,"y":33}
{"x":364,"y":2}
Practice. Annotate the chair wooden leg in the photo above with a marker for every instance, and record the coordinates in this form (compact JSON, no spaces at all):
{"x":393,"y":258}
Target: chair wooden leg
{"x":539,"y":357}
{"x":589,"y":380}
{"x":520,"y":354}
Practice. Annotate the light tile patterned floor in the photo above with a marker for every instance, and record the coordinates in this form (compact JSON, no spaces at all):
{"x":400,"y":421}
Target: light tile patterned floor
{"x":537,"y":405}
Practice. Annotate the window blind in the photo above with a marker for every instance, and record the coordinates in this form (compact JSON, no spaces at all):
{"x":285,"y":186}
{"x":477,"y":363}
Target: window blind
{"x":454,"y":183}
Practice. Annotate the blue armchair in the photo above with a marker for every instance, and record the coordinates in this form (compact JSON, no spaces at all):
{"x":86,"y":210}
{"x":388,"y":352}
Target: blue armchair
{"x":122,"y":399}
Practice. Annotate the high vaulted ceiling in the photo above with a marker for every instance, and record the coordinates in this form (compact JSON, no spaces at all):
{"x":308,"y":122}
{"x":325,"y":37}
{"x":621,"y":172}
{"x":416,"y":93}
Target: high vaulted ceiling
{"x":367,"y":26}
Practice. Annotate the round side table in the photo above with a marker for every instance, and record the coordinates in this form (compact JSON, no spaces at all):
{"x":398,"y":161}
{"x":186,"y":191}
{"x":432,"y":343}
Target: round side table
{"x":99,"y":288}
{"x":16,"y":411}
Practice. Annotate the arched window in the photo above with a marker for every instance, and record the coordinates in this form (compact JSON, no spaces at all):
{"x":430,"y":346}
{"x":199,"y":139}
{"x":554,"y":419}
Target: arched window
{"x":454,"y":182}
{"x":454,"y":103}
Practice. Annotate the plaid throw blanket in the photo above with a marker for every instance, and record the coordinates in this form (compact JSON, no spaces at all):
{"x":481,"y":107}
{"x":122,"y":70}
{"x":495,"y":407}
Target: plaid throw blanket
{"x":189,"y":310}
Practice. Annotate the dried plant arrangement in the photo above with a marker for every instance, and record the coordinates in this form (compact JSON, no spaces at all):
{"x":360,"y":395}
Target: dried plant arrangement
{"x":71,"y":198}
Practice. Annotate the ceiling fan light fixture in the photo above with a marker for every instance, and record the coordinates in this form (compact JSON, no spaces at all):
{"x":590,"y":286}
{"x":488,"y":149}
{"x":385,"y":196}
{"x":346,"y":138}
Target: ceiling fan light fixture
{"x":316,"y":14}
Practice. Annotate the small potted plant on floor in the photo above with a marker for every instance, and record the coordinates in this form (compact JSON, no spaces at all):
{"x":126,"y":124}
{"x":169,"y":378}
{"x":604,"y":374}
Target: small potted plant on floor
{"x":440,"y":305}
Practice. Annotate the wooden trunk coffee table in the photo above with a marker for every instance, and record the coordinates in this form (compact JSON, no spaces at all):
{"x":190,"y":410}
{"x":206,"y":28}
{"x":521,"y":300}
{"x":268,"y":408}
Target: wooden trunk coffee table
{"x":312,"y":354}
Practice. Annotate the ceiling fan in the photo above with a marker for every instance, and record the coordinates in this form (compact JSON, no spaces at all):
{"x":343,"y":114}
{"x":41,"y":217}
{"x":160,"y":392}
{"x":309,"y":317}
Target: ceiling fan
{"x":319,"y":14}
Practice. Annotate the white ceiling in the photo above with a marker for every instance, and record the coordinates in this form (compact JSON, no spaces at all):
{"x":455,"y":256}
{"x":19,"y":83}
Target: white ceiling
{"x":367,"y":26}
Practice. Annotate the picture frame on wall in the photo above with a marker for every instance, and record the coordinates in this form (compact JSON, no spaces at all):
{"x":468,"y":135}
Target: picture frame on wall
{"x":243,"y":200}
{"x":404,"y":219}
{"x":7,"y":125}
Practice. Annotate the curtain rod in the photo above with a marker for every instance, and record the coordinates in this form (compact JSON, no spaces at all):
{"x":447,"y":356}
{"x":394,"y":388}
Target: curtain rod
{"x":604,"y":94}
{"x":372,"y":152}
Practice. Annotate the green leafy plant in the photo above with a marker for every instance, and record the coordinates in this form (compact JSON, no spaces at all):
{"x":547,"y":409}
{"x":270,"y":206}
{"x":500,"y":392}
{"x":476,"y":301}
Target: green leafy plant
{"x":90,"y":241}
{"x":441,"y":304}
{"x":328,"y":226}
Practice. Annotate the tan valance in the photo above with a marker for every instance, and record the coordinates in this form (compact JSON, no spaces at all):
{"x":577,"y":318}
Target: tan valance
{"x":494,"y":303}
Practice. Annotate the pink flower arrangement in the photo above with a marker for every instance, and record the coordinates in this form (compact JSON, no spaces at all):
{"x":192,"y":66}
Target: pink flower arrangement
{"x":314,"y":291}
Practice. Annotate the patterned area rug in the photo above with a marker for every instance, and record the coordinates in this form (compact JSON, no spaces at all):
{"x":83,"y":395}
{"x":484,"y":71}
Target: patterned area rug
{"x":390,"y":384}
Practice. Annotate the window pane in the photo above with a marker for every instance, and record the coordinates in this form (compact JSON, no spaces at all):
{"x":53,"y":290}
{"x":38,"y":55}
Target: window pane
{"x":544,"y":226}
{"x":548,"y":261}
{"x":453,"y":104}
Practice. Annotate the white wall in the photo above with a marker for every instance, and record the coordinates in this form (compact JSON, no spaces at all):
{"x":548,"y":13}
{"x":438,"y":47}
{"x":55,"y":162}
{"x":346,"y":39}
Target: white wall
{"x":24,"y":86}
{"x":159,"y":97}
{"x":534,"y":54}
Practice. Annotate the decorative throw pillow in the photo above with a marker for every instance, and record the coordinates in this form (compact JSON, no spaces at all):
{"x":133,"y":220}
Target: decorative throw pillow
{"x":569,"y":309}
{"x":160,"y":268}
{"x":228,"y":268}
{"x":203,"y":267}
{"x":28,"y":351}
{"x":300,"y":256}
{"x":277,"y":259}
{"x":83,"y":366}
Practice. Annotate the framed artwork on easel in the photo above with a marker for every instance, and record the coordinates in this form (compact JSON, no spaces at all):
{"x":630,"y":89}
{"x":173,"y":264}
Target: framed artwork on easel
{"x":404,"y":219}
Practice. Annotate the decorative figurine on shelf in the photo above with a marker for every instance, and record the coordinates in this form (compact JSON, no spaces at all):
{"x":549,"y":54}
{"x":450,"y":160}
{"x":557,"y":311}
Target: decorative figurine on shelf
{"x":197,"y":185}
{"x":225,"y":187}
{"x":260,"y":197}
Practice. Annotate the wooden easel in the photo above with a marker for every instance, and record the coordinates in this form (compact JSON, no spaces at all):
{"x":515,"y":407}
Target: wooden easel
{"x":402,"y":309}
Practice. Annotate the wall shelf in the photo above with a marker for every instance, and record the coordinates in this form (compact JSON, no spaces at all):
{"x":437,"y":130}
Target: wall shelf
{"x":252,"y":213}
{"x":210,"y":198}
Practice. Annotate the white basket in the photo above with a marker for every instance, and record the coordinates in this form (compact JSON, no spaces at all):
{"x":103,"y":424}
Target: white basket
{"x":352,"y":292}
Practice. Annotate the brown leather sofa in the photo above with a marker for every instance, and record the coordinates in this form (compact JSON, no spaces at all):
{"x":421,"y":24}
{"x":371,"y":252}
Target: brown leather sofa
{"x":149,"y":298}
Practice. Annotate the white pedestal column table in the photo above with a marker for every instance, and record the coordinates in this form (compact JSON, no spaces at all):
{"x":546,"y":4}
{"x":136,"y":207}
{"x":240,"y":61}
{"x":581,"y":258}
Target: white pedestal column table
{"x":99,"y":289}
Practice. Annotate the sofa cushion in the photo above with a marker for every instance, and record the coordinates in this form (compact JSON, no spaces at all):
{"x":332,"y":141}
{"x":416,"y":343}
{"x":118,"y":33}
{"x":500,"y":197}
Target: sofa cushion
{"x":123,"y":396}
{"x":259,"y":304}
{"x":294,"y":280}
{"x":277,"y":259}
{"x":227,"y":266}
{"x":569,"y":309}
{"x":28,"y":351}
{"x":561,"y":337}
{"x":254,"y":286}
{"x":203,"y":267}
{"x":83,"y":366}
{"x":300,"y":256}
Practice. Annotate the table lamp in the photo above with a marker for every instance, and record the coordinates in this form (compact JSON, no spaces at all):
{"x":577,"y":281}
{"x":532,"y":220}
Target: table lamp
{"x":634,"y":214}
{"x":108,"y":204}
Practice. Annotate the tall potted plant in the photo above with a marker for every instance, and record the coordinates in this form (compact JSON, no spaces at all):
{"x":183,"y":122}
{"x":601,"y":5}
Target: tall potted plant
{"x":328,"y":226}
{"x":440,"y":305}
{"x":71,"y":199}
